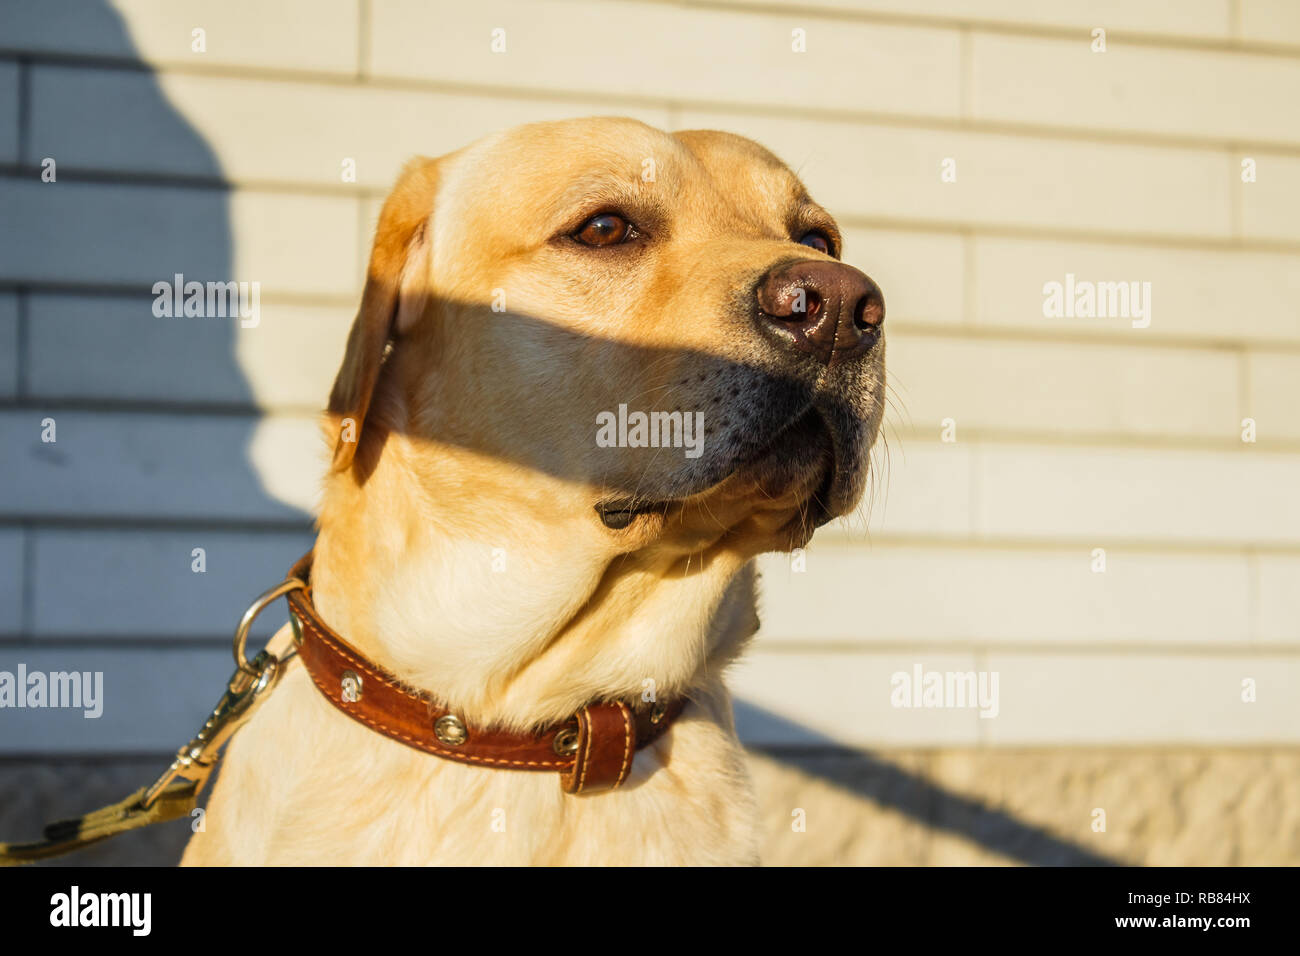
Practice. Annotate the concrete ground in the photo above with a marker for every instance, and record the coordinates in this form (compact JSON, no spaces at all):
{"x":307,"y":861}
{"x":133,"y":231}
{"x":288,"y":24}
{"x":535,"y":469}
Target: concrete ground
{"x":936,"y":807}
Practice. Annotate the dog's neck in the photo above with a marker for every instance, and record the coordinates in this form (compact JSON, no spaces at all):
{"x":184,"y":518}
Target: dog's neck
{"x":514,"y":618}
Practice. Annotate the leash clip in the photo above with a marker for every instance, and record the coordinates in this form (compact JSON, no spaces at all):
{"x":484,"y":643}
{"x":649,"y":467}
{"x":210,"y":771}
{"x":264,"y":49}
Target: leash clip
{"x":197,"y":759}
{"x":247,"y":686}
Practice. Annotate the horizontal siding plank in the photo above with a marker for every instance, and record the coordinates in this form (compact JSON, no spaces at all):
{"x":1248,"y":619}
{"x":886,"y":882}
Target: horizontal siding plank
{"x":242,"y":130}
{"x":1200,"y":19}
{"x":158,"y":466}
{"x":1274,"y":396}
{"x":1216,"y":294}
{"x":821,"y":698}
{"x":112,"y":120}
{"x":268,"y":231}
{"x":916,"y":488}
{"x":1095,"y":494}
{"x":78,"y":345}
{"x":829,"y":699}
{"x":922,"y":274}
{"x":860,"y":169}
{"x":319,"y":36}
{"x":1134,"y":89}
{"x":1073,"y":700}
{"x":10,"y":91}
{"x":8,"y":345}
{"x":1012,"y":595}
{"x":142,"y":584}
{"x":1277,"y":581}
{"x":13,"y":573}
{"x":1270,"y":206}
{"x":1092,"y":495}
{"x":1269,"y":21}
{"x":92,"y":233}
{"x":695,"y":54}
{"x":291,"y":358}
{"x":1076,"y":389}
{"x":153,"y":700}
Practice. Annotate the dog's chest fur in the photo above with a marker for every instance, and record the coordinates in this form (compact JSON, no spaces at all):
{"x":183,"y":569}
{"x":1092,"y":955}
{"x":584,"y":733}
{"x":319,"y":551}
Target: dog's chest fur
{"x":303,"y":785}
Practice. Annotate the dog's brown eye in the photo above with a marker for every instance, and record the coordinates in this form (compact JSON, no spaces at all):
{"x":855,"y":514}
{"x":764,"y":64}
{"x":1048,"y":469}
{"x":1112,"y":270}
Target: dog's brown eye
{"x":816,"y":240}
{"x":606,"y":229}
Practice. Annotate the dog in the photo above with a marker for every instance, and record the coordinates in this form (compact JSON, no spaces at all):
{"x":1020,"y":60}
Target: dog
{"x":497,"y":529}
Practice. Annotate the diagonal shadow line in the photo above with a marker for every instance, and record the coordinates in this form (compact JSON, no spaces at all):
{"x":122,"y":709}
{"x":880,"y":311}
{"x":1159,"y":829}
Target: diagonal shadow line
{"x":912,"y":795}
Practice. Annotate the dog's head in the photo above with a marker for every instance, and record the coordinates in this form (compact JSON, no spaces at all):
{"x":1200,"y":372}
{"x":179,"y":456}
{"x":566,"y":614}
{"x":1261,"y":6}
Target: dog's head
{"x":651,"y":333}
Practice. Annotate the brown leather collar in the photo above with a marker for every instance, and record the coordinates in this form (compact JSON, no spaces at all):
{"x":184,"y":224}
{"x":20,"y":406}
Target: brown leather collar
{"x":592,"y":751}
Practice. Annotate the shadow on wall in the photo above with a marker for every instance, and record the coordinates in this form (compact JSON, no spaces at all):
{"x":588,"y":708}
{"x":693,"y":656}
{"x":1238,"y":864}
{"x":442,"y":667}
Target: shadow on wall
{"x":134,"y":464}
{"x":889,"y":787}
{"x":153,"y":420}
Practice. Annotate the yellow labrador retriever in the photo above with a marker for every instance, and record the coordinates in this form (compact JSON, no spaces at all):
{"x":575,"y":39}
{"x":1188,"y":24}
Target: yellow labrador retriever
{"x":597,"y":369}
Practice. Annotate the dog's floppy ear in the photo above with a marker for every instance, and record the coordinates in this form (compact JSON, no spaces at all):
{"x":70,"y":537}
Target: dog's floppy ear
{"x":395,"y":295}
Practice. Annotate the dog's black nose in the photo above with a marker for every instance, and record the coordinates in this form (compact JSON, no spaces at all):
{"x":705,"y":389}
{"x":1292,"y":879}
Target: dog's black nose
{"x":827,"y":309}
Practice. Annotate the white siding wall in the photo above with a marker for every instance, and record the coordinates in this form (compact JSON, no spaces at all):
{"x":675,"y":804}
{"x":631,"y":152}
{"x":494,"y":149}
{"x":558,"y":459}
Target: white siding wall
{"x":1072,"y":434}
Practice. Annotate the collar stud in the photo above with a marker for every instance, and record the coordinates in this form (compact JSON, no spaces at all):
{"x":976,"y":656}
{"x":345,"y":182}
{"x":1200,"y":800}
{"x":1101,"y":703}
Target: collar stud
{"x":451,"y":730}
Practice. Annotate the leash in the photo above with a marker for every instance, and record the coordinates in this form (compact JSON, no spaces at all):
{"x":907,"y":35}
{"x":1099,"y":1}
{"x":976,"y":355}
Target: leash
{"x":592,"y":751}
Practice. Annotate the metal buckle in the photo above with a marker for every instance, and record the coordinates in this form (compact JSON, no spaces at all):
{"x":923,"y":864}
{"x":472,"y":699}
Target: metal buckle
{"x":245,"y":689}
{"x":566,"y":742}
{"x":246,"y":622}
